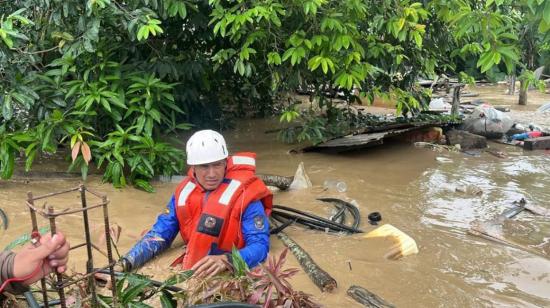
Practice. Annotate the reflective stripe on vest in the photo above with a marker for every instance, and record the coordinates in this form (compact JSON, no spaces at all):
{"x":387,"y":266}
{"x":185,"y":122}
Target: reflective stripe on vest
{"x":185,"y":192}
{"x":244,"y":160}
{"x":229,"y":192}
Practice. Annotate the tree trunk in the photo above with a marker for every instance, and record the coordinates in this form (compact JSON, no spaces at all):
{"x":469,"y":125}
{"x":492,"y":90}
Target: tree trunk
{"x":456,"y":100}
{"x":512,"y":85}
{"x":523,"y":93}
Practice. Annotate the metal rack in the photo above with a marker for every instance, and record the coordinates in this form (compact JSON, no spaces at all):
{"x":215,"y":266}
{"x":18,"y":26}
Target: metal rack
{"x":51,"y":214}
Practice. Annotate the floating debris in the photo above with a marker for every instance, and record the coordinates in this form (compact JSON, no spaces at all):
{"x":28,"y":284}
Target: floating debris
{"x":469,"y":190}
{"x":367,"y":298}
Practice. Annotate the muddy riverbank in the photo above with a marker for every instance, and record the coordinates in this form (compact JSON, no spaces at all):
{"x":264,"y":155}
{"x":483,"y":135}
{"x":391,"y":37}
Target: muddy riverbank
{"x":410,"y":187}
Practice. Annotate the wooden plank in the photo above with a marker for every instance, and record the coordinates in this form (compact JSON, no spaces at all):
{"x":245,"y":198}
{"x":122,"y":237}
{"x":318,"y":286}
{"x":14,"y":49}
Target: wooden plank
{"x":354,"y":142}
{"x":371,"y":136}
{"x":540,"y":143}
{"x":537,"y":210}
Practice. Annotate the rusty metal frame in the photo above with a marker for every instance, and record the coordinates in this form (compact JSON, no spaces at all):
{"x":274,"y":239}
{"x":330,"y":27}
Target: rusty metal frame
{"x":50,"y":214}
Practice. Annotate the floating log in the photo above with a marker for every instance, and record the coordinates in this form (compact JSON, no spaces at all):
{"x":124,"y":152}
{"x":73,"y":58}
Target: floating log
{"x":281,"y":182}
{"x":367,"y":298}
{"x":540,"y":143}
{"x":320,"y":278}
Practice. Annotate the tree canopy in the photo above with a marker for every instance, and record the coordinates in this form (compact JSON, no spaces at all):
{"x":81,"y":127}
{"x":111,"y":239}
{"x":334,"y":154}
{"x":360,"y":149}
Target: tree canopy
{"x":107,"y":81}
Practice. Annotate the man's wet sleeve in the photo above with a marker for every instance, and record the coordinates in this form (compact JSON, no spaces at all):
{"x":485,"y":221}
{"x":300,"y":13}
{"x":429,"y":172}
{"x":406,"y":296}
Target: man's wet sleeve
{"x":157,"y":239}
{"x":255,"y":228}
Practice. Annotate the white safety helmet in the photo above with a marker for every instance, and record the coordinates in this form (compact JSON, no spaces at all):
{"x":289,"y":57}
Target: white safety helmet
{"x":205,"y":146}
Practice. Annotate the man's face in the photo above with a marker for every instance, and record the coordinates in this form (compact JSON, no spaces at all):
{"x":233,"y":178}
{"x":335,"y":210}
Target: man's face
{"x":210,"y":175}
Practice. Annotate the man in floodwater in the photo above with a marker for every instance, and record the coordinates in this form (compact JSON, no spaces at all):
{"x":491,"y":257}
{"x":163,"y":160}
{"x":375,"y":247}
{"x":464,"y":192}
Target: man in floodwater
{"x":221,"y":204}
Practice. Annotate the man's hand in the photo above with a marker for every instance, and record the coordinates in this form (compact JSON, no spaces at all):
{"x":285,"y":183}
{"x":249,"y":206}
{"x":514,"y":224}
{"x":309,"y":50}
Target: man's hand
{"x":210,"y":266}
{"x":52,"y":253}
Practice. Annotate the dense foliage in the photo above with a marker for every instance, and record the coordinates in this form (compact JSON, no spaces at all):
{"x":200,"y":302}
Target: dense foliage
{"x":105,"y":81}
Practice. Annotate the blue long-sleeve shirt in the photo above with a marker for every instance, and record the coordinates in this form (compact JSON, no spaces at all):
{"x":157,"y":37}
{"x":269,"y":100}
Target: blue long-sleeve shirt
{"x":166,"y":228}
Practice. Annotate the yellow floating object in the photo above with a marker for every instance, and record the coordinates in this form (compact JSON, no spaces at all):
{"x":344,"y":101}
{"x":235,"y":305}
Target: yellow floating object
{"x":404,"y":244}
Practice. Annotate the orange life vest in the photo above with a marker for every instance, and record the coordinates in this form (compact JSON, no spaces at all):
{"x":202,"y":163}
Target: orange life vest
{"x":216,"y":220}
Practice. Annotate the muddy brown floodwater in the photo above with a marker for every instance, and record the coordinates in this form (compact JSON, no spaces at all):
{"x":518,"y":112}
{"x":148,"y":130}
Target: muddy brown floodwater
{"x":410,"y":187}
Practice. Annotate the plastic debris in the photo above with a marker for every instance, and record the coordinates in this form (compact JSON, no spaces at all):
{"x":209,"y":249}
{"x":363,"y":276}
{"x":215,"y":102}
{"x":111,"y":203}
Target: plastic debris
{"x":301,"y":179}
{"x":338,"y":185}
{"x":443,"y":160}
{"x":404,"y":244}
{"x":487,"y":121}
{"x":439,"y":104}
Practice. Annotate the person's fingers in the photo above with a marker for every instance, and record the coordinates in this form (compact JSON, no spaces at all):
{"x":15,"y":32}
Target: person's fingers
{"x":58,"y":262}
{"x":200,"y":263}
{"x":48,"y":245}
{"x":61,"y":269}
{"x":207,"y":268}
{"x":207,"y":271}
{"x":211,"y":271}
{"x":215,"y":270}
{"x":200,"y":271}
{"x":61,"y":252}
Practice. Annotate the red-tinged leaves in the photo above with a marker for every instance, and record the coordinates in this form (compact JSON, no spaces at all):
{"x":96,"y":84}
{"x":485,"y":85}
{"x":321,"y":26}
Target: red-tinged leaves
{"x":266,"y":285}
{"x":75,"y":150}
{"x":271,"y":262}
{"x":282,"y":259}
{"x":288,"y":303}
{"x":275,"y":281}
{"x":255,"y":275}
{"x":86,"y":152}
{"x":255,"y":297}
{"x":289,"y":273}
{"x":268,"y":296}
